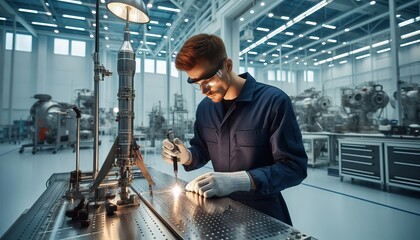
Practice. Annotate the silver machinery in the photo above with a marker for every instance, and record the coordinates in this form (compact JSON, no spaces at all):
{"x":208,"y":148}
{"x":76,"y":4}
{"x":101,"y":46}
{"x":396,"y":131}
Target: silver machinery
{"x":125,"y":150}
{"x":311,"y":108}
{"x":85,"y":101}
{"x":361,"y":102}
{"x":180,"y":123}
{"x":410,"y":101}
{"x":50,"y":125}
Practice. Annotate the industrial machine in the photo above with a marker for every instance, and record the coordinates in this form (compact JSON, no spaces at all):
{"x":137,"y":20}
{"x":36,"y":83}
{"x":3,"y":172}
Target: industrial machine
{"x":157,"y":124}
{"x":311,"y":108}
{"x":50,"y":124}
{"x":180,"y":124}
{"x":410,"y":101}
{"x":361,"y":102}
{"x":85,"y":101}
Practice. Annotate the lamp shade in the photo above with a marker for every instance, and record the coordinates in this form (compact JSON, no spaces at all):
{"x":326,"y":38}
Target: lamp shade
{"x":137,"y":11}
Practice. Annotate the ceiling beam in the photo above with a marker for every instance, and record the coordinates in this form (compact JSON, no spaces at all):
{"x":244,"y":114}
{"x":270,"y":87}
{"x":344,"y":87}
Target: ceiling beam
{"x":338,"y":33}
{"x":318,"y":27}
{"x":179,"y":20}
{"x":252,"y":17}
{"x":18,"y":18}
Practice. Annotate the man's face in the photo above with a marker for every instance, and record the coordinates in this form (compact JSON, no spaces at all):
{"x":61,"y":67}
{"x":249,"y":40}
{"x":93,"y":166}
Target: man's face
{"x":212,"y":81}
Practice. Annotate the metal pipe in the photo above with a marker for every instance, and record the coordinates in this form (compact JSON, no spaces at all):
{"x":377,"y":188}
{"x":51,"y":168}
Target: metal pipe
{"x":395,"y":36}
{"x":96,"y":96}
{"x":12,"y":76}
{"x":78,"y":115}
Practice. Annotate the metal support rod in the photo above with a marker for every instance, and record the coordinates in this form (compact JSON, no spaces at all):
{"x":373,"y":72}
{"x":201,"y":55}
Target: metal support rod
{"x":168,"y":90}
{"x":78,"y":115}
{"x":12,"y":76}
{"x":395,"y":36}
{"x":96,"y":96}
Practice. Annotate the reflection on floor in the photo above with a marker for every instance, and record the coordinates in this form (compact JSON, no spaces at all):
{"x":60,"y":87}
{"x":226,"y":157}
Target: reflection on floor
{"x":321,"y":206}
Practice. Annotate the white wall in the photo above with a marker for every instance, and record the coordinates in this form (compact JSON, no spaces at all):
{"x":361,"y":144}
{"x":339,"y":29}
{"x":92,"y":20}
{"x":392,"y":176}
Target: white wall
{"x":41,"y":71}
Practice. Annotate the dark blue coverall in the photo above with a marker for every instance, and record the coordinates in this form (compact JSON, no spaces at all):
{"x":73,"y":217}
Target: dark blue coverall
{"x":258,"y":134}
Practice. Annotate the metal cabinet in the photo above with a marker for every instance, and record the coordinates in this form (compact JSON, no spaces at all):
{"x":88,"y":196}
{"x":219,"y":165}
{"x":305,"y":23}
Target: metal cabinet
{"x":402,"y":165}
{"x":362,"y":159}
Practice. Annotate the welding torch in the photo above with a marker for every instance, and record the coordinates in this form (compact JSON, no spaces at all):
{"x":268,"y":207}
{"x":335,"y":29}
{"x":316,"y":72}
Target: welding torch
{"x":170,"y":136}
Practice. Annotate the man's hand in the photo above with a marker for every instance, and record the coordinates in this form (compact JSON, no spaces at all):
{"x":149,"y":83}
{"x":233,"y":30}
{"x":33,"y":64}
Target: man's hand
{"x":220,"y":183}
{"x":176,"y":149}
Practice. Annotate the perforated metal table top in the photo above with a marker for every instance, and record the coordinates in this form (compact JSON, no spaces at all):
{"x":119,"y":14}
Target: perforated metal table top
{"x":160,"y":216}
{"x":191,"y":216}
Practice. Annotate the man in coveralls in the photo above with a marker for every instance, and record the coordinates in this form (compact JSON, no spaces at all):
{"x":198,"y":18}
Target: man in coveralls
{"x":247,"y":129}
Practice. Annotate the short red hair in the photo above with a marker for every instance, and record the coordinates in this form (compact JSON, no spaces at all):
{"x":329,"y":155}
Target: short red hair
{"x":201,"y":47}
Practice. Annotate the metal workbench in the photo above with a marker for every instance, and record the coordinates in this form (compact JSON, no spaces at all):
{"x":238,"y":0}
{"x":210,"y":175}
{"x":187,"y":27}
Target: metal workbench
{"x":162,"y":215}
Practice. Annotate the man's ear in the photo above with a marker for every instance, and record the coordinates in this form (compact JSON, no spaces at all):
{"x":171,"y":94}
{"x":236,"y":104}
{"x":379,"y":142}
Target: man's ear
{"x":229,"y":64}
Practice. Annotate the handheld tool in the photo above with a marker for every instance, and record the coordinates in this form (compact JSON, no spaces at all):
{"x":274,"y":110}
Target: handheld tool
{"x":170,"y":136}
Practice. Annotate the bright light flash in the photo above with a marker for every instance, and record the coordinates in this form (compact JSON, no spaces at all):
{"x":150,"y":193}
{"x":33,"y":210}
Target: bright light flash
{"x":176,"y":190}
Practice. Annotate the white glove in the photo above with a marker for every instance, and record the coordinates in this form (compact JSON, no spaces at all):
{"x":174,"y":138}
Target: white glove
{"x":220,"y":183}
{"x":176,"y":149}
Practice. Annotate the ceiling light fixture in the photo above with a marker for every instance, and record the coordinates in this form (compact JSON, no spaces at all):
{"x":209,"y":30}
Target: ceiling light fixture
{"x":303,"y":15}
{"x":329,"y":26}
{"x":27,"y":10}
{"x":410,"y":43}
{"x":153,"y":35}
{"x":169,"y":9}
{"x":73,"y":17}
{"x":71,"y":1}
{"x":263,"y":29}
{"x":44,"y":24}
{"x":384,"y":50}
{"x":378,"y":44}
{"x":311,"y":23}
{"x":363,"y":56}
{"x":410,"y":34}
{"x":74,"y":28}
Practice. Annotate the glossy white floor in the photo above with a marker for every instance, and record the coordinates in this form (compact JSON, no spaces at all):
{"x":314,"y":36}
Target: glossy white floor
{"x":321,"y":206}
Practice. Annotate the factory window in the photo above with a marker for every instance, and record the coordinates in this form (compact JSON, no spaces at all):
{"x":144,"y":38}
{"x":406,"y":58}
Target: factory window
{"x":149,"y":65}
{"x":283,"y":76}
{"x":23,"y":42}
{"x":138,"y":65}
{"x":291,"y":77}
{"x":78,"y":48}
{"x":61,"y":46}
{"x":160,"y":66}
{"x":251,"y":71}
{"x":174,"y":71}
{"x":308,"y":76}
{"x":271,"y":75}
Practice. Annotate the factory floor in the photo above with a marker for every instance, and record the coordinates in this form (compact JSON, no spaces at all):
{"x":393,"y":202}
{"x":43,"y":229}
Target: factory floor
{"x":322,"y":206}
